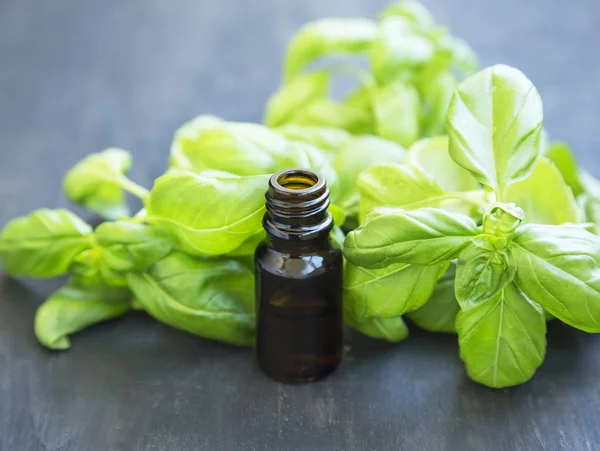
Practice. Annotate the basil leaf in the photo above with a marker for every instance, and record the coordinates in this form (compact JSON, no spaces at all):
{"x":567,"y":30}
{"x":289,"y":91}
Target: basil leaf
{"x":562,"y":156}
{"x":412,"y":10}
{"x":328,"y":139}
{"x":355,"y":156}
{"x":76,"y":306}
{"x":361,"y":97}
{"x":96,"y":182}
{"x":338,"y":214}
{"x":502,"y":221}
{"x":439,"y":312}
{"x":302,"y":155}
{"x":581,"y":182}
{"x":482,"y":272}
{"x":397,"y":108}
{"x":462,"y":55}
{"x":209,"y":215}
{"x":408,"y":187}
{"x":503,"y":339}
{"x":295,"y":95}
{"x":43,"y":243}
{"x":432,"y":156}
{"x":329,"y":113}
{"x":554,"y":204}
{"x":326,"y":37}
{"x":208,"y":143}
{"x":210,"y":298}
{"x":337,"y":236}
{"x":436,"y":94}
{"x":398,"y":48}
{"x":119,"y":247}
{"x":248,"y":247}
{"x":388,"y":292}
{"x":559,"y":267}
{"x":398,"y":185}
{"x":132,"y":247}
{"x":426,"y":236}
{"x":389,"y":329}
{"x":90,"y":266}
{"x":590,"y":207}
{"x":494,"y":125}
{"x":590,"y":183}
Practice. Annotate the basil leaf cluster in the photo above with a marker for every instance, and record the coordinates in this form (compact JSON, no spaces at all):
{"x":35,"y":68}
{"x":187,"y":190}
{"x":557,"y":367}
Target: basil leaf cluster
{"x":527,"y":255}
{"x":413,"y":63}
{"x":455,"y":208}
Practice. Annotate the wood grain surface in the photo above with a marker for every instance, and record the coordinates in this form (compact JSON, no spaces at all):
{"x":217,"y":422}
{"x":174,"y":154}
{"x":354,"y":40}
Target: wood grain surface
{"x":78,"y":76}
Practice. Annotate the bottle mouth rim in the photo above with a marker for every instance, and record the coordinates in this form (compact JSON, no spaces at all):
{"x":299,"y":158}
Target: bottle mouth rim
{"x":312,"y":181}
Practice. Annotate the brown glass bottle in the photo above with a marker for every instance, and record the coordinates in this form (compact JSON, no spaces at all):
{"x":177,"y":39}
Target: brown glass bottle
{"x":298,"y":281}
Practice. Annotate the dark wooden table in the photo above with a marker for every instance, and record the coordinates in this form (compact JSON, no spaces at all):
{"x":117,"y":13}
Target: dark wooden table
{"x":78,"y":76}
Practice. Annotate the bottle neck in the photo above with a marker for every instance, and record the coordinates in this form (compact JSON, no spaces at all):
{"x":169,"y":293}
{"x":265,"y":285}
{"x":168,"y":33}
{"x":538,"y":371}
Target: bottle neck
{"x":297,"y":218}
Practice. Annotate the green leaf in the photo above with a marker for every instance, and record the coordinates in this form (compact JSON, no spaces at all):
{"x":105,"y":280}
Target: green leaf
{"x":503,"y":339}
{"x":132,"y":247}
{"x":355,"y":156}
{"x":209,"y":215}
{"x":559,"y":267}
{"x":361,"y":97}
{"x":482,"y":272}
{"x":408,"y":187}
{"x":337,"y":236}
{"x":388,"y":292}
{"x":398,"y":48}
{"x":432,"y":156}
{"x":329,"y":113}
{"x":302,"y":155}
{"x":389,"y":329}
{"x":590,"y":207}
{"x":119,"y":247}
{"x":545,"y":197}
{"x":502,"y":222}
{"x":210,"y":298}
{"x":426,"y":236}
{"x":562,"y":156}
{"x":494,"y":125}
{"x":248,"y":247}
{"x":580,"y":181}
{"x":295,"y":95}
{"x":398,"y":185}
{"x":590,"y":183}
{"x":327,"y":139}
{"x":326,"y":37}
{"x":397,"y":109}
{"x":89,"y":265}
{"x":208,"y":143}
{"x":436,"y":94}
{"x":462,"y":55}
{"x":439,"y":312}
{"x":338,"y":214}
{"x":43,"y":243}
{"x":412,"y":10}
{"x":97,"y":183}
{"x":76,"y":306}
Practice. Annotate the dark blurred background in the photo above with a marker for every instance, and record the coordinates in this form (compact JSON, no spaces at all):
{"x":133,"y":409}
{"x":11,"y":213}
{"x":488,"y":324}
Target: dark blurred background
{"x":79,"y":76}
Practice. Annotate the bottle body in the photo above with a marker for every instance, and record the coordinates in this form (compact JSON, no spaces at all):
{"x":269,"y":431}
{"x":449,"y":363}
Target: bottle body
{"x":298,"y":281}
{"x":299,"y":313}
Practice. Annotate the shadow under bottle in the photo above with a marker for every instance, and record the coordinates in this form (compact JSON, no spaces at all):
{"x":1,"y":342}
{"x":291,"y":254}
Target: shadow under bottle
{"x":298,"y":281}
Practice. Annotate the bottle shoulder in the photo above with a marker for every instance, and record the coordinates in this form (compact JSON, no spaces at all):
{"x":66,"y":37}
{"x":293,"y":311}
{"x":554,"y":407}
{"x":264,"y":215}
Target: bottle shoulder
{"x":298,"y":265}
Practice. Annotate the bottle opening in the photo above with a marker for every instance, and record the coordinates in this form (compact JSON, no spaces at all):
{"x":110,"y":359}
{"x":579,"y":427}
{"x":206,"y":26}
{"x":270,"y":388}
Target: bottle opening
{"x":297,"y":201}
{"x":298,"y":182}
